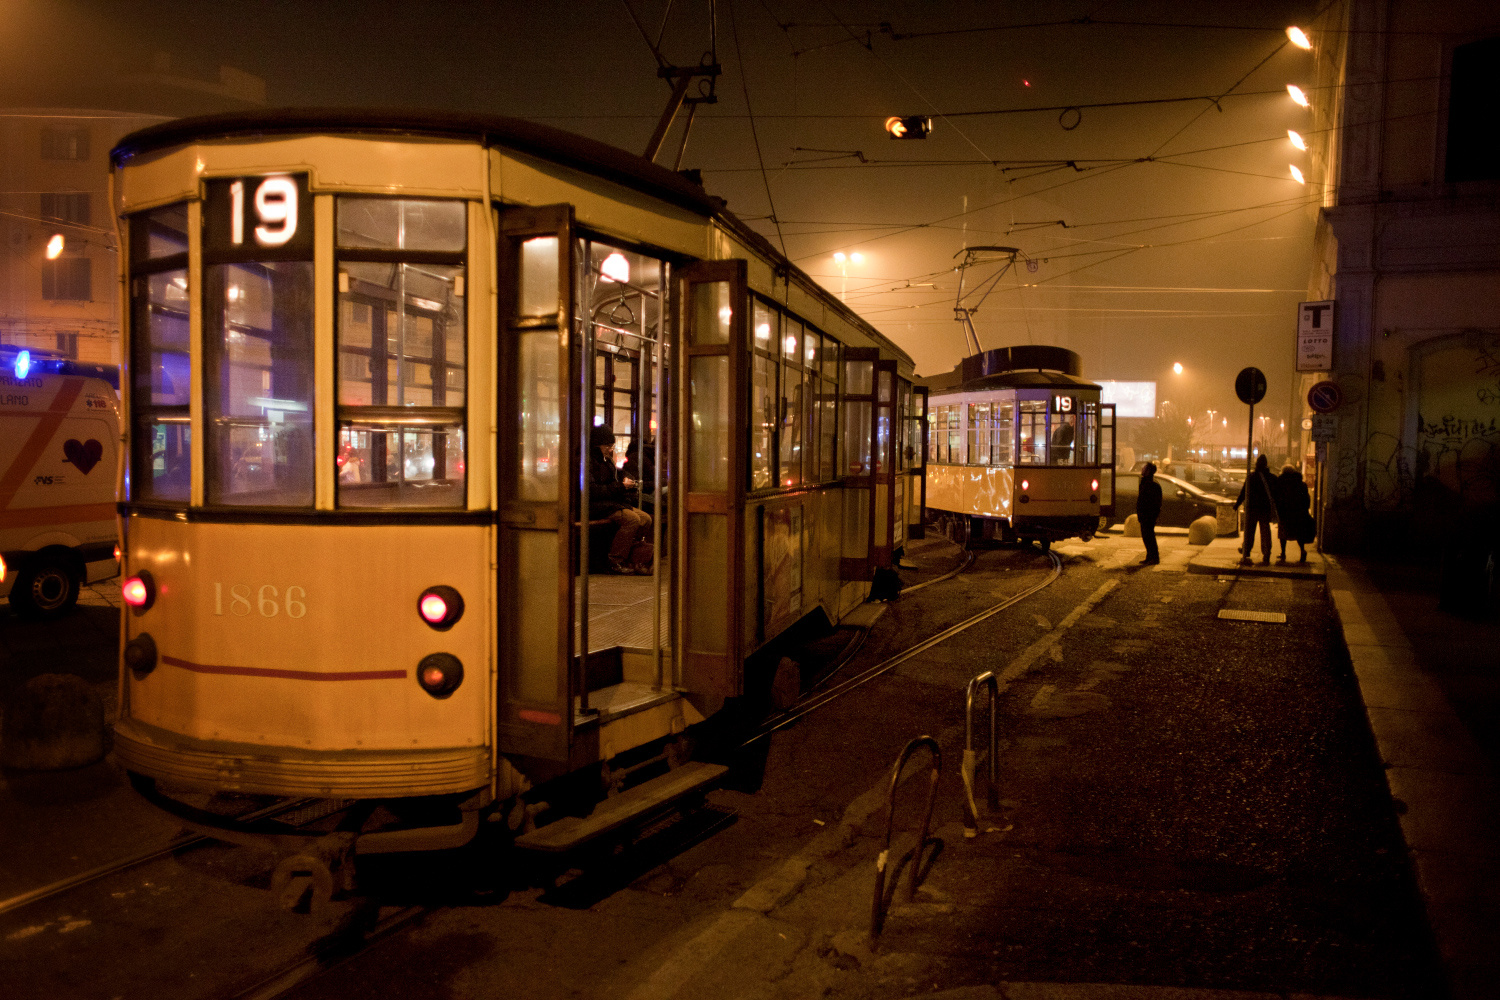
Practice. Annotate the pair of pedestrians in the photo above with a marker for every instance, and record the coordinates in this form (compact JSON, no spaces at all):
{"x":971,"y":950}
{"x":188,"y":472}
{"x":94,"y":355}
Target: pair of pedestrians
{"x":1282,"y":499}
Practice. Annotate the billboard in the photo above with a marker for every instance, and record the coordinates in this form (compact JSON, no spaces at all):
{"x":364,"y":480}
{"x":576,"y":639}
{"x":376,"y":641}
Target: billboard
{"x":1131,"y":399}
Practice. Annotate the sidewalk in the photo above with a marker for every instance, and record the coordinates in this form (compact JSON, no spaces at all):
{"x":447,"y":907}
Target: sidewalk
{"x":1413,"y":663}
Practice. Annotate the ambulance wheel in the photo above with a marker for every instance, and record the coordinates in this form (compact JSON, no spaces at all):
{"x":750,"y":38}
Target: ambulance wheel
{"x":46,"y":587}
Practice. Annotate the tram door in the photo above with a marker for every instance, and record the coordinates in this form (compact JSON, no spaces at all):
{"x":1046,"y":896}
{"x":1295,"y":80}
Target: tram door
{"x":536,"y":456}
{"x":708,"y":516}
{"x":1106,"y":452}
{"x":890,"y":483}
{"x":861,"y":482}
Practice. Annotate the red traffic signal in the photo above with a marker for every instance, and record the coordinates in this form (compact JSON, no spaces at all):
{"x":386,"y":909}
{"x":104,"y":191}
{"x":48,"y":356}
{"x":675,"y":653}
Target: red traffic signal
{"x":912,"y":127}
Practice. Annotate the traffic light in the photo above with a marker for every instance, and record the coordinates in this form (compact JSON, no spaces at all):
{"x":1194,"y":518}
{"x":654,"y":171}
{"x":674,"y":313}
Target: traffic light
{"x":912,"y":127}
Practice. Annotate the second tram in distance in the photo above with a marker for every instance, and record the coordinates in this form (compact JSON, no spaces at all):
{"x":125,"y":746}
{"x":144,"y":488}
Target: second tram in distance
{"x":1019,"y":447}
{"x":371,"y":361}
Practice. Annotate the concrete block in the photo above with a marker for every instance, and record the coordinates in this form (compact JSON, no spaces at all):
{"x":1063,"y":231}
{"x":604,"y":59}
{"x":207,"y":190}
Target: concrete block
{"x":53,"y":722}
{"x":1132,"y":527}
{"x":1203,"y":530}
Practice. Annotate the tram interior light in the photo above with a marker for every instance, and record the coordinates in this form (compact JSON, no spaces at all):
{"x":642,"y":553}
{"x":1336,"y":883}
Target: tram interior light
{"x":441,"y":607}
{"x":615,"y":268}
{"x":139,"y":591}
{"x":440,"y":674}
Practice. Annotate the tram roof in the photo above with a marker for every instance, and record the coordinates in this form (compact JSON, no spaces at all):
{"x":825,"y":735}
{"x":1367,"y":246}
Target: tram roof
{"x":565,"y":148}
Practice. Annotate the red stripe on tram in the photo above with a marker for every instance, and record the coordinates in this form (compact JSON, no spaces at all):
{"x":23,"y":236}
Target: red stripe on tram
{"x":293,"y":675}
{"x":542,"y":718}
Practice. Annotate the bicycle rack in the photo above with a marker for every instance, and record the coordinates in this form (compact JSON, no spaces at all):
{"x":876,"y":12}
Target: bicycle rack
{"x":877,"y":906}
{"x":971,"y":762}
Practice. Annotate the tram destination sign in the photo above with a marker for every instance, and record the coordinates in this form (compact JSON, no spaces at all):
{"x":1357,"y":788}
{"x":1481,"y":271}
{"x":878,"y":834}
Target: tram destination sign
{"x":262,"y":218}
{"x":1315,"y":336}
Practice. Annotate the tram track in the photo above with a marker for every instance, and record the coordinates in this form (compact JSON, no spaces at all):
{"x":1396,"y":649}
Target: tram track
{"x":178,"y":843}
{"x":820,"y":698}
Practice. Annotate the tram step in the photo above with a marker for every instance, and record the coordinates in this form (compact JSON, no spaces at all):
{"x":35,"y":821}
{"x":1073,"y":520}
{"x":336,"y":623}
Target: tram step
{"x":641,"y":801}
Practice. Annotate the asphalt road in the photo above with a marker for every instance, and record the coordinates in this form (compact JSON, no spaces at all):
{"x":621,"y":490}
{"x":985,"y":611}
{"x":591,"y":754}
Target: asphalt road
{"x":1185,"y":802}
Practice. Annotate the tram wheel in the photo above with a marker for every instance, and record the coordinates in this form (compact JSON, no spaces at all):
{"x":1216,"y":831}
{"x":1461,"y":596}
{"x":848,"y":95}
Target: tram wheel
{"x":45,"y":588}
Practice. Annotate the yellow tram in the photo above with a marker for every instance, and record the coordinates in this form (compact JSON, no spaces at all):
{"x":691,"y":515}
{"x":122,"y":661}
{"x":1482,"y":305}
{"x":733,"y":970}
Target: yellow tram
{"x":1019,"y":447}
{"x":367,"y":356}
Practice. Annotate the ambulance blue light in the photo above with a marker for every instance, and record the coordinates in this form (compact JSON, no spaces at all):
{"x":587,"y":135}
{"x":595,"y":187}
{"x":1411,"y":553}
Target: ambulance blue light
{"x":23,"y":364}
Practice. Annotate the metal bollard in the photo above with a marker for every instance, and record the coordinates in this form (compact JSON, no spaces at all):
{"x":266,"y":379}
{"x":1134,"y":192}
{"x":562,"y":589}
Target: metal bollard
{"x":970,"y":762}
{"x":877,"y":906}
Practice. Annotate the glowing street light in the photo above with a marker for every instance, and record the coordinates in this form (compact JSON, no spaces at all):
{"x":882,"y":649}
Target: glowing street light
{"x":1297,"y":94}
{"x":1297,"y":140}
{"x":1299,"y":37}
{"x":843,"y":260}
{"x":1297,"y":174}
{"x":55,"y":246}
{"x":1177,"y":367}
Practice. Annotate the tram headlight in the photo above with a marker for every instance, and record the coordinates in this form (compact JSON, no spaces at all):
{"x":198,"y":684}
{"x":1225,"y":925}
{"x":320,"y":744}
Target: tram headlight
{"x":140,"y":655}
{"x":440,"y":607}
{"x":440,"y":674}
{"x":139,"y":591}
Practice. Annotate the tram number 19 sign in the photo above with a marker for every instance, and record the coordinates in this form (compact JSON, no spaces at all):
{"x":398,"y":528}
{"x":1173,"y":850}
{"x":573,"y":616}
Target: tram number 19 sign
{"x":258,"y":218}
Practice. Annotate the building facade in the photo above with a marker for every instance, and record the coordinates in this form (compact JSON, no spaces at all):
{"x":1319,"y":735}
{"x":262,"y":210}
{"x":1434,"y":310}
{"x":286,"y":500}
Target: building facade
{"x":58,"y":251}
{"x":1408,"y":248}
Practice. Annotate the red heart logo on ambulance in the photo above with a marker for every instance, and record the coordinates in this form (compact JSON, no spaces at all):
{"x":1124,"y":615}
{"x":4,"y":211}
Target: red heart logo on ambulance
{"x":83,"y":454}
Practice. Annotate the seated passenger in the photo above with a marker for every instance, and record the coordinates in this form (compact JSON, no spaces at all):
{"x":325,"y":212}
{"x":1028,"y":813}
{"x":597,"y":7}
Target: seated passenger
{"x":611,"y":497}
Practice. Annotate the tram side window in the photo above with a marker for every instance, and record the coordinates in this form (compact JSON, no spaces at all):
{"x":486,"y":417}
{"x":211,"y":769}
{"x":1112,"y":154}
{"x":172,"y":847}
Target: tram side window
{"x":792,"y":394}
{"x":1032,"y":425}
{"x":161,"y":459}
{"x":828,"y":396}
{"x":258,"y":386}
{"x":1002,"y":433}
{"x":764,"y":398}
{"x":979,"y":433}
{"x":402,"y":343}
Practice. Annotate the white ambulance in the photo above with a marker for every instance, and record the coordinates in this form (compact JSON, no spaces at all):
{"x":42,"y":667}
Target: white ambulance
{"x":59,"y":456}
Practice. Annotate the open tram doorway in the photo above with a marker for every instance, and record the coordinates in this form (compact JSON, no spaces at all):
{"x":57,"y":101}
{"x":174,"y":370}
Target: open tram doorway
{"x":621,"y":584}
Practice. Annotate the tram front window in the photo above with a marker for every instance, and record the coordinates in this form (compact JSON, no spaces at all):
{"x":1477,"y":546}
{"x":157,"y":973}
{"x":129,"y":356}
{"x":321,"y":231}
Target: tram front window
{"x":258,"y":321}
{"x":401,"y":342}
{"x":159,"y":356}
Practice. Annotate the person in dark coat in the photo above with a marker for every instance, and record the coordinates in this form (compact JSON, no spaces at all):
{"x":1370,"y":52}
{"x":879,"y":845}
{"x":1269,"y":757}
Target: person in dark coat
{"x":1147,"y":510}
{"x":1259,"y":497}
{"x":611,"y":497}
{"x":1292,"y":502}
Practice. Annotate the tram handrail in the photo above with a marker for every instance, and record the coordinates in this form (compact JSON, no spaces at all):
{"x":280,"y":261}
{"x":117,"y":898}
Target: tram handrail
{"x":970,"y":760}
{"x":877,"y":905}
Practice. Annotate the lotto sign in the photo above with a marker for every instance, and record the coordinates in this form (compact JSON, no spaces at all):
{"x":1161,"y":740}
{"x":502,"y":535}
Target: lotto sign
{"x":258,"y":218}
{"x":1315,"y":336}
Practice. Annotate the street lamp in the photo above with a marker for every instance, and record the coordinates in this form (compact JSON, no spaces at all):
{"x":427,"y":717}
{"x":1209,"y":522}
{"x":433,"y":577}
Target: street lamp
{"x":1177,"y":368}
{"x":843,"y":260}
{"x":1298,"y":37}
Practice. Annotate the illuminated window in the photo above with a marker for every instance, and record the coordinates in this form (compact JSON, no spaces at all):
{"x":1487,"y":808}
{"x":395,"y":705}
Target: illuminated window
{"x":402,"y":344}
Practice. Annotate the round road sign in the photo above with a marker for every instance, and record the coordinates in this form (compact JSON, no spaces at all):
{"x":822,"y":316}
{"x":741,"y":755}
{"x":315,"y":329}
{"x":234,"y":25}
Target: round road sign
{"x":1250,"y":386}
{"x":1324,"y":397}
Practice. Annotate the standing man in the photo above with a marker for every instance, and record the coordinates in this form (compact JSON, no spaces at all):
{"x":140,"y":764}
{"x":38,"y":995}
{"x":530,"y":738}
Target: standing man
{"x":1147,"y":510}
{"x":1259,"y":497}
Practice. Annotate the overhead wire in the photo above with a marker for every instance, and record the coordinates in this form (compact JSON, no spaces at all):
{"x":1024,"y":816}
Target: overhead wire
{"x":734,"y":29}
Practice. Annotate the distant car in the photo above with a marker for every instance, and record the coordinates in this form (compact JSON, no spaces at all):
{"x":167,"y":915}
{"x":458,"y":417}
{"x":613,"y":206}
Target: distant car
{"x":1200,"y":474}
{"x":1182,"y":503}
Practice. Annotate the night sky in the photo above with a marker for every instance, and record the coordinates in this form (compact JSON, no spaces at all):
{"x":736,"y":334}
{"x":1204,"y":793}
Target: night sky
{"x":1197,"y":256}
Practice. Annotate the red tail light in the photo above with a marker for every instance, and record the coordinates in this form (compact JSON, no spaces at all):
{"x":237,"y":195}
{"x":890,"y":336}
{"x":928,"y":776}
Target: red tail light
{"x":1095,"y":486}
{"x":440,"y":607}
{"x":440,"y":674}
{"x":139,"y":591}
{"x":1025,"y":484}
